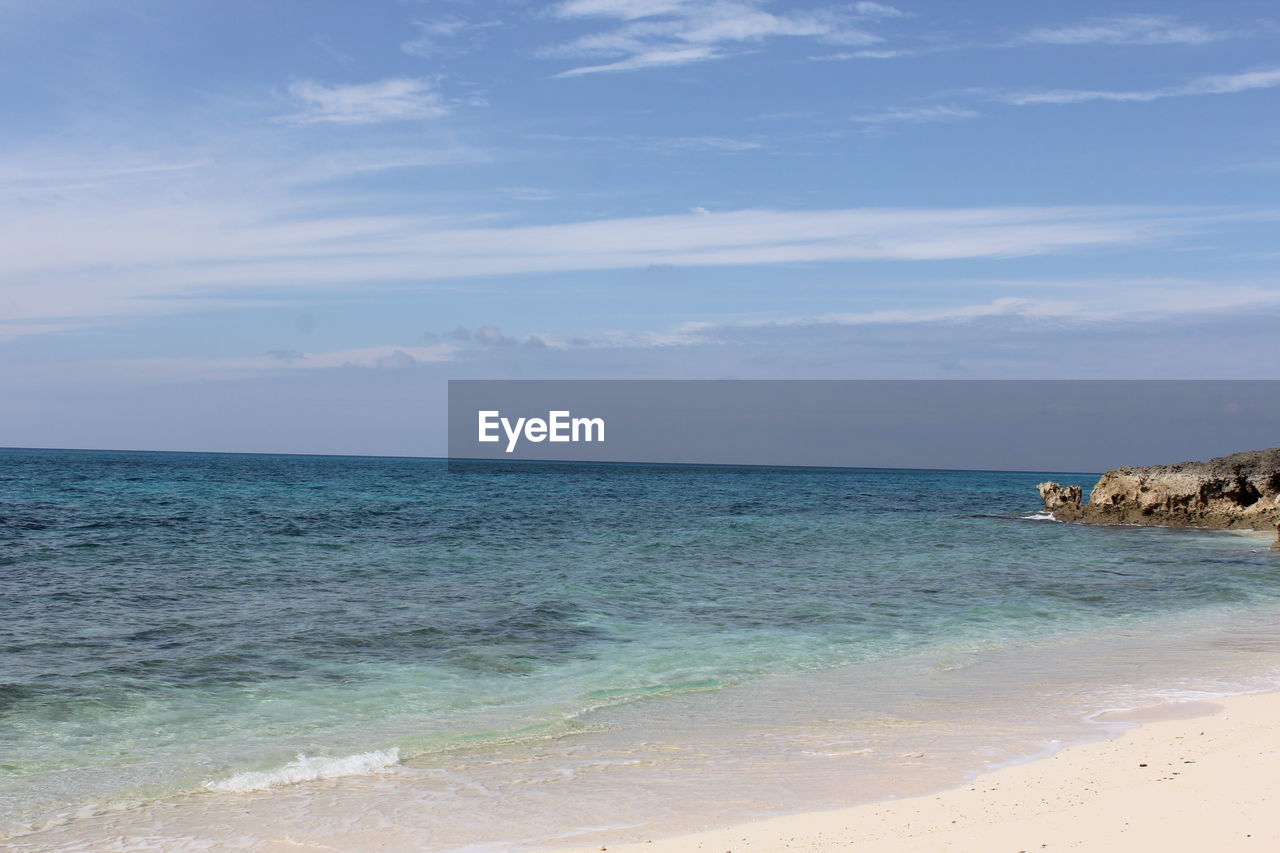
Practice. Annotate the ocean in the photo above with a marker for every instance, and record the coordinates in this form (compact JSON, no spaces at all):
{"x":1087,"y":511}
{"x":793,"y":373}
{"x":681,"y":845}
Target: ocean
{"x":197,"y":647}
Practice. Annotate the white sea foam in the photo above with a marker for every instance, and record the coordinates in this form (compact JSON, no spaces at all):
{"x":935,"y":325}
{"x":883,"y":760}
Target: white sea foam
{"x":1039,"y":516}
{"x":305,"y":769}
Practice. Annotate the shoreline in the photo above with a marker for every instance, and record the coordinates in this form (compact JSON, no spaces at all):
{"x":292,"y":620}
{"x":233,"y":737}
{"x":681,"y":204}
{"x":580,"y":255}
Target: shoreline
{"x":874,"y":823}
{"x":1179,"y":776}
{"x":1183,"y":775}
{"x":889,"y":730}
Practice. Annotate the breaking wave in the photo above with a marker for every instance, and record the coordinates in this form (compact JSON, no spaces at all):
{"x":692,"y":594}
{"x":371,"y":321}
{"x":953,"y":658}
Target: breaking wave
{"x":304,"y":769}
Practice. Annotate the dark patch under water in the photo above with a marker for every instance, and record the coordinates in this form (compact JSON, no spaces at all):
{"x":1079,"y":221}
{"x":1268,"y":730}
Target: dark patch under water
{"x":189,"y":611}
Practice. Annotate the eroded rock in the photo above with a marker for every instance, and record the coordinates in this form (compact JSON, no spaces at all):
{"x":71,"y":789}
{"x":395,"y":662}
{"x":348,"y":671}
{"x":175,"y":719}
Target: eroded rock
{"x":1062,"y":501}
{"x":1240,"y":491}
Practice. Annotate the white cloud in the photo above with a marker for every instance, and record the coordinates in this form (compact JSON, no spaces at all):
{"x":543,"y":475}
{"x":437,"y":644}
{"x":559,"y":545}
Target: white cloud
{"x":665,"y":145}
{"x":678,"y":144}
{"x":916,"y":115}
{"x":393,"y":99}
{"x":1138,"y":29}
{"x":1127,"y":30}
{"x":863,"y":54}
{"x":685,"y":334}
{"x":1042,"y":310}
{"x":79,"y":178}
{"x":627,"y":10}
{"x":1081,"y":303}
{"x":80,"y":262}
{"x":9,"y":331}
{"x":492,"y":336}
{"x":1217,"y":84}
{"x":648,"y":59}
{"x":655,"y":33}
{"x":386,"y":357}
{"x":446,"y":36}
{"x":1084,"y":302}
{"x":432,"y":35}
{"x":879,"y":10}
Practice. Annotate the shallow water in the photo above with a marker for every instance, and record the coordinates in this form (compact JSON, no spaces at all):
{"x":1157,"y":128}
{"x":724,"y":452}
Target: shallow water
{"x":647,"y":643}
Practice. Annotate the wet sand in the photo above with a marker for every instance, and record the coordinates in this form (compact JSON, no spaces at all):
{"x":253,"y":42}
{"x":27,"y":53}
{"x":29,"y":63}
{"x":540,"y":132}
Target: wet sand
{"x":1191,"y":776}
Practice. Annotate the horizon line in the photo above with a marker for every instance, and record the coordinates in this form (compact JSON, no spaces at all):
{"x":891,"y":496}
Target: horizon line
{"x":464,"y":459}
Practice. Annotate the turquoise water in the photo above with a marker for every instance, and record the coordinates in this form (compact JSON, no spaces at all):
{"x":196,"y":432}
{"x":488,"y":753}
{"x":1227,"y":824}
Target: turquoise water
{"x":173,"y":622}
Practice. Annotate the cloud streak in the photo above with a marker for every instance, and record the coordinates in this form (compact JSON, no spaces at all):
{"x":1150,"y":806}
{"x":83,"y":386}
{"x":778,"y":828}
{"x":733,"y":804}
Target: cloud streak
{"x":915,"y":115}
{"x":388,"y":357}
{"x":1136,"y":29}
{"x":1114,"y":314}
{"x":78,"y":264}
{"x":1084,"y":304}
{"x":1216,"y":84}
{"x":658,"y":33}
{"x":393,"y":99}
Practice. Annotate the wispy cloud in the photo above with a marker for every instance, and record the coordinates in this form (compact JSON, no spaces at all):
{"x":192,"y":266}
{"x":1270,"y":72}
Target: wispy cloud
{"x":685,"y":334}
{"x":383,"y":358}
{"x":331,"y":51}
{"x":1217,"y":84}
{"x":879,"y":10}
{"x":662,"y":144}
{"x":448,"y":35}
{"x":862,"y":54}
{"x":1096,"y":318}
{"x":1122,"y":30}
{"x":655,"y":58}
{"x":1137,"y":29}
{"x":393,"y":99}
{"x":686,"y":144}
{"x":1082,"y":303}
{"x":87,"y":178}
{"x":656,"y":33}
{"x":167,"y":258}
{"x":915,"y":115}
{"x":433,"y":36}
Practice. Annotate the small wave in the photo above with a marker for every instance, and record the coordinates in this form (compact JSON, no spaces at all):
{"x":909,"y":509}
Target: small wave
{"x":305,"y":769}
{"x":1038,"y":516}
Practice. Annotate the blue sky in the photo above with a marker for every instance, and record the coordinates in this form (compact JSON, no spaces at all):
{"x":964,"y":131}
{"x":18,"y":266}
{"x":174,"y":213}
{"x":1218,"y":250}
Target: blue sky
{"x":281,"y":226}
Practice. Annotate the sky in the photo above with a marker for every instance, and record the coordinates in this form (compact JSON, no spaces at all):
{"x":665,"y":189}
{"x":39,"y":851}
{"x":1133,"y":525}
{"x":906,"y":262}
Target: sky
{"x":282,"y":226}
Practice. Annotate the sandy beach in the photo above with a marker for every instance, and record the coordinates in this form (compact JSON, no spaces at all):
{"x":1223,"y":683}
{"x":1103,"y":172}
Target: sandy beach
{"x":696,"y":426}
{"x":721,"y":647}
{"x":1190,"y":776}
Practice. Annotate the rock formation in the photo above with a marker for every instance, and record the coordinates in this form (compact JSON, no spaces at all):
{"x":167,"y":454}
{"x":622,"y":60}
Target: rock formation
{"x":1240,"y":491}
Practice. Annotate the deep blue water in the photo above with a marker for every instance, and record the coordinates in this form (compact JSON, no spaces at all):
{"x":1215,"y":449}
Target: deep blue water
{"x":170,"y":619}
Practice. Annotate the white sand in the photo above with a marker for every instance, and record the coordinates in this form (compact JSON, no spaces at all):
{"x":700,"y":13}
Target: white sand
{"x":1207,"y":782}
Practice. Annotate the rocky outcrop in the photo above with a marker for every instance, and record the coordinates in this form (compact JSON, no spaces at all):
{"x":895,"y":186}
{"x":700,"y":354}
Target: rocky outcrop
{"x":1061,"y":499}
{"x":1240,"y":491}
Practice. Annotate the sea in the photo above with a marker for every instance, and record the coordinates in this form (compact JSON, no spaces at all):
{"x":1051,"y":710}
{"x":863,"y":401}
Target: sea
{"x":210,"y":651}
